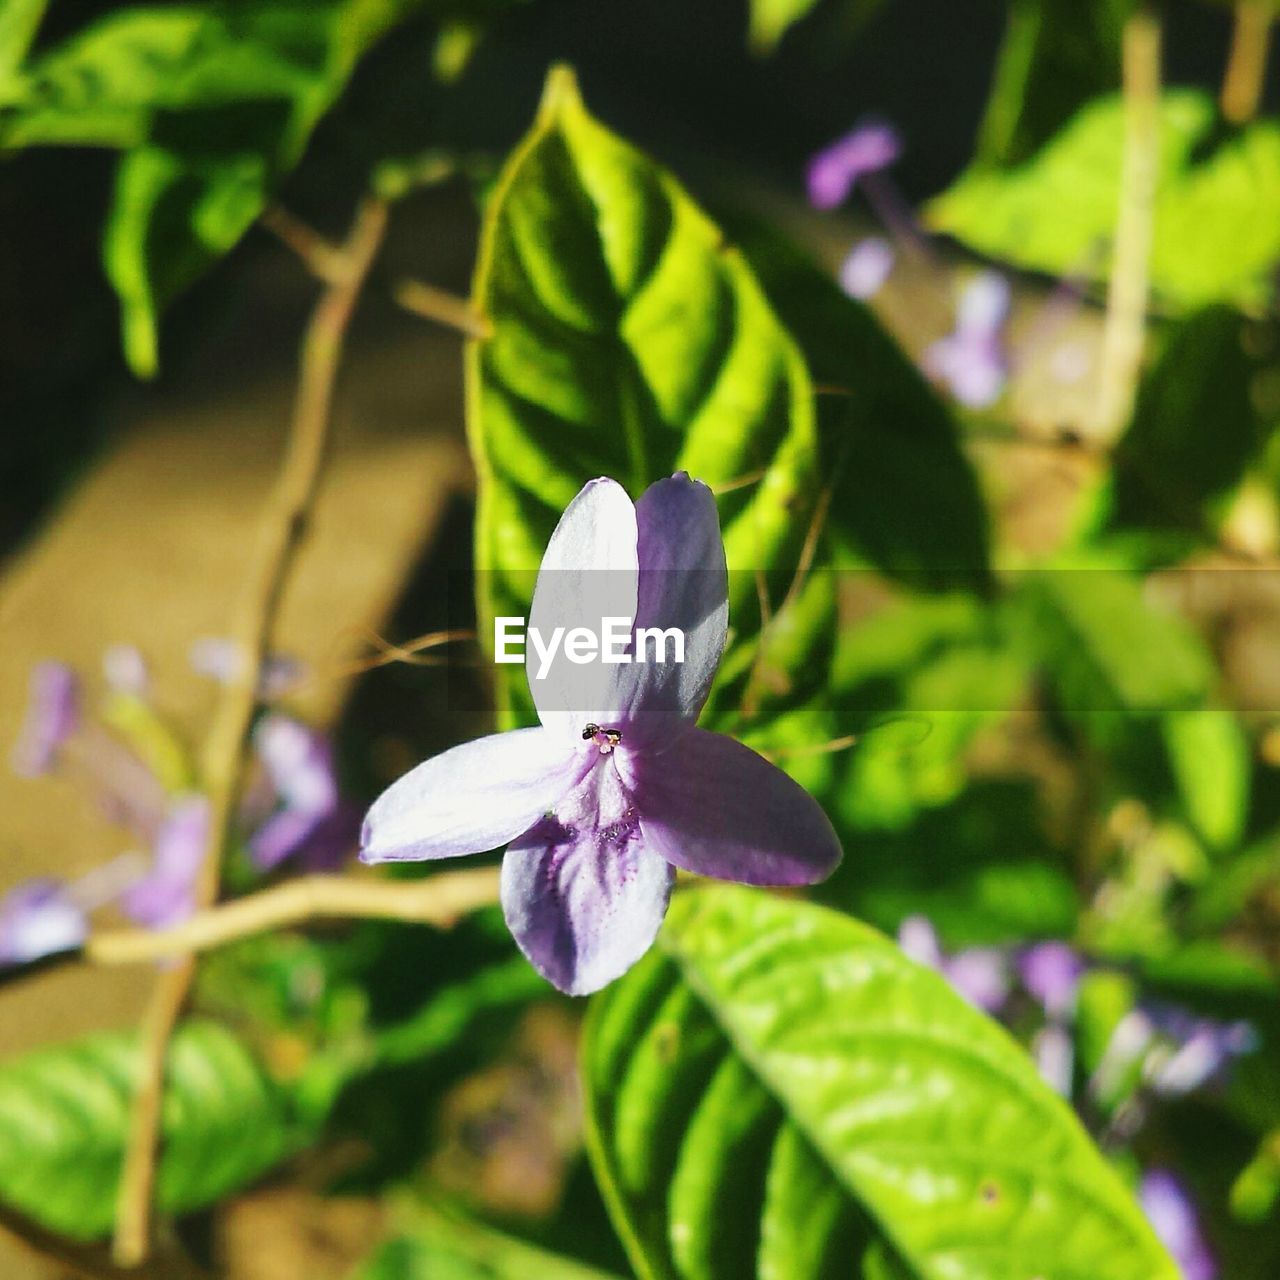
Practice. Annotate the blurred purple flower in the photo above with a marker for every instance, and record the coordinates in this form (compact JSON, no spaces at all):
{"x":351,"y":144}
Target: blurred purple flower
{"x":126,"y":671}
{"x":1170,"y":1051}
{"x":220,"y":658}
{"x":867,"y":267}
{"x":600,"y":806}
{"x":1054,"y":1052}
{"x":1172,"y":1215}
{"x":165,"y":895}
{"x":53,"y":715}
{"x":38,"y":919}
{"x":314,"y":822}
{"x":1051,"y":973}
{"x":971,"y":360}
{"x":980,"y":974}
{"x":834,"y":171}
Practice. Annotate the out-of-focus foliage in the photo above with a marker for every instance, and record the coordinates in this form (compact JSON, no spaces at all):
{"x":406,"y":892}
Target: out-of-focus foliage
{"x":784,"y":1056}
{"x":64,"y":1117}
{"x":1217,"y":235}
{"x":1056,"y":55}
{"x":210,"y":105}
{"x":437,"y":1247}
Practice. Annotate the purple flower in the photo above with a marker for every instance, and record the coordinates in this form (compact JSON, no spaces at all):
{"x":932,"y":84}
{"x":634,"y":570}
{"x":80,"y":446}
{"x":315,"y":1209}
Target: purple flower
{"x":313,"y":822}
{"x":1051,"y":973}
{"x":1173,"y":1217}
{"x":616,"y":787}
{"x":1054,"y":1052}
{"x":126,"y":671}
{"x":53,"y":715}
{"x":980,"y":974}
{"x":864,"y":271}
{"x":38,"y":919}
{"x":971,"y":359}
{"x":165,"y":895}
{"x":220,"y":658}
{"x":871,"y":146}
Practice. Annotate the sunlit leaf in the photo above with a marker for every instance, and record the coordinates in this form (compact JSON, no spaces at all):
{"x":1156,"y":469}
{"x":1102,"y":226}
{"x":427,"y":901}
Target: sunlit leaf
{"x":436,"y":1247}
{"x":64,"y":1117}
{"x":1111,"y":653}
{"x":630,"y":341}
{"x":1211,"y":762}
{"x":1217,"y":216}
{"x":779,"y":1092}
{"x":211,"y":105}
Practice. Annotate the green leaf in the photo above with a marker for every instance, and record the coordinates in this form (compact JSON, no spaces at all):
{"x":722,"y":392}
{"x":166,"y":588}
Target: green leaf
{"x":771,"y":19}
{"x":1055,"y":55}
{"x":1108,"y":652}
{"x":1169,"y":471}
{"x":106,"y":85}
{"x":64,"y":1116}
{"x":779,"y":1090}
{"x":212,"y":106}
{"x":628,"y":340}
{"x":1211,"y":763}
{"x":172,"y":217}
{"x":1217,"y":216}
{"x":440,"y":1247}
{"x":904,"y":497}
{"x":19,"y":22}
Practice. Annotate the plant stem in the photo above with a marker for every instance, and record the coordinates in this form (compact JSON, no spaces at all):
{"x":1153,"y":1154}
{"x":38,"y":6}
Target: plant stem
{"x":282,"y":532}
{"x":437,"y":901}
{"x":443,"y":308}
{"x":1247,"y":62}
{"x":1124,"y":330}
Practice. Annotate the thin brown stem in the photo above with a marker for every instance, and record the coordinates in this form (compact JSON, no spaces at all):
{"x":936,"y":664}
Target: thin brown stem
{"x":443,"y":308}
{"x":1125,"y":328}
{"x":439,"y":901}
{"x":1247,"y":62}
{"x":321,"y":257}
{"x":282,"y":532}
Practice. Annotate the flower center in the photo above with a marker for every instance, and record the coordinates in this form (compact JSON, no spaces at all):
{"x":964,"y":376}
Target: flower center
{"x":604,"y":738}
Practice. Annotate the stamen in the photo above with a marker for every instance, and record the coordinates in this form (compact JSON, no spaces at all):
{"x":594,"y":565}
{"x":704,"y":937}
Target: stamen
{"x":604,"y":738}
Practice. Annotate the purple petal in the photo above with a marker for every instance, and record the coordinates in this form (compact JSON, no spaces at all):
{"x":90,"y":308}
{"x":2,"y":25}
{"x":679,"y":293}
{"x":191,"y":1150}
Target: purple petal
{"x":712,"y":806}
{"x":583,"y":894}
{"x":1054,"y":1052}
{"x":683,"y":584}
{"x":318,"y":841}
{"x":834,"y":170}
{"x":166,"y":894}
{"x":867,"y":267}
{"x":973,"y":368}
{"x":1173,"y":1218}
{"x":919,"y":939}
{"x":38,"y":919}
{"x":588,"y":573}
{"x":474,"y":797}
{"x":126,"y":671}
{"x":53,"y":715}
{"x":221,"y":658}
{"x":981,"y":975}
{"x":984,"y":304}
{"x":1051,"y":973}
{"x":299,"y":762}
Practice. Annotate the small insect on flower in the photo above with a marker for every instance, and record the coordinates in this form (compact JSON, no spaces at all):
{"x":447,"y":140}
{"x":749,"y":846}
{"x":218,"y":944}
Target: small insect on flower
{"x":616,"y":787}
